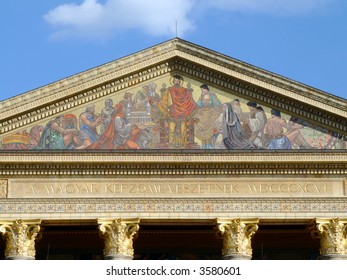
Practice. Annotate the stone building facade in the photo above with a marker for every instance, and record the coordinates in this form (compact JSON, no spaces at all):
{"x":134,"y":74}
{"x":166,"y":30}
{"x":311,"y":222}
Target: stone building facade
{"x":174,"y":152}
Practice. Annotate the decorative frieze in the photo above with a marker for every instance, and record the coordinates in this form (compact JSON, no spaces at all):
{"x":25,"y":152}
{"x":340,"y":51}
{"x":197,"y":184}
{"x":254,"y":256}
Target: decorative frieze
{"x":169,"y":171}
{"x":20,"y":238}
{"x":236,"y":235}
{"x":186,"y":158}
{"x":174,"y":207}
{"x":119,"y":235}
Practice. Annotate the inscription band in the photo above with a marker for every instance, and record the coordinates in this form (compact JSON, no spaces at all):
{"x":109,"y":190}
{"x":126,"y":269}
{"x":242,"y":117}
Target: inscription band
{"x":83,"y":188}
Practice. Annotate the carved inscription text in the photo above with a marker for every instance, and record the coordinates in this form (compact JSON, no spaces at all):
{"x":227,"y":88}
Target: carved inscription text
{"x":60,"y":188}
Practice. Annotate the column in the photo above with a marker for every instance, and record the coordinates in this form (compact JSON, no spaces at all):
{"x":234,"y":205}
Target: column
{"x":236,"y":235}
{"x":119,"y":235}
{"x":332,"y":234}
{"x":20,"y":238}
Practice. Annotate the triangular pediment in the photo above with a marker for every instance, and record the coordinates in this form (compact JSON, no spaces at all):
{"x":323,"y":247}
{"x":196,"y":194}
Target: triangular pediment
{"x":175,"y":95}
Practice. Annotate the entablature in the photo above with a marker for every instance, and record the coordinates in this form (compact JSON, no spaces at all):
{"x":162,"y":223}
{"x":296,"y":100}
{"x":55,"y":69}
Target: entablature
{"x":173,"y":163}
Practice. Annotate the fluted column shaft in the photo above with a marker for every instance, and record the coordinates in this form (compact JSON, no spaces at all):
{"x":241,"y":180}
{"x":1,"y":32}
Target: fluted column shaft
{"x":119,"y":235}
{"x":20,"y":238}
{"x":236,"y":235}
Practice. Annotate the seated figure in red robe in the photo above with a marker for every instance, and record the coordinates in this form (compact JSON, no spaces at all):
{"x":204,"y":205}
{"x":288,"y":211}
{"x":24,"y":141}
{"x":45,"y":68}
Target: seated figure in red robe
{"x":176,"y":105}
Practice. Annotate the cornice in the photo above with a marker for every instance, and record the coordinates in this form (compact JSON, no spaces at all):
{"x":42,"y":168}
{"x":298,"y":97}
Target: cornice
{"x":174,"y":156}
{"x":173,"y":164}
{"x":152,"y":55}
{"x":261,"y":77}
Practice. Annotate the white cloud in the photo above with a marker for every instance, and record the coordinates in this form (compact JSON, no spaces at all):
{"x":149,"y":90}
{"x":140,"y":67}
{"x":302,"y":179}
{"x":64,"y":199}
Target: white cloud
{"x":92,"y":19}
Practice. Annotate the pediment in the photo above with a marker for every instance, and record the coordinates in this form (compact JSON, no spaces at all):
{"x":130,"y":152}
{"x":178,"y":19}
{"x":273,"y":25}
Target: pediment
{"x":175,"y":95}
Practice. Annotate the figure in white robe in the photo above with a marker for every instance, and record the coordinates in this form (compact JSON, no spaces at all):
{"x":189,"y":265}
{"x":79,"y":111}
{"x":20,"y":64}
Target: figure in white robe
{"x":231,"y":131}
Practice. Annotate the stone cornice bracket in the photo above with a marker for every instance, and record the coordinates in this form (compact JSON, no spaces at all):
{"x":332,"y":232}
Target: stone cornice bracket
{"x":332,"y":234}
{"x":119,"y":235}
{"x":236,"y":235}
{"x":20,"y":238}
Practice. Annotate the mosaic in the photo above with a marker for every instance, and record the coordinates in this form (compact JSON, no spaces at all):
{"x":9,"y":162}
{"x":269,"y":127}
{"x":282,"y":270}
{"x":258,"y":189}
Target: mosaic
{"x":173,"y":113}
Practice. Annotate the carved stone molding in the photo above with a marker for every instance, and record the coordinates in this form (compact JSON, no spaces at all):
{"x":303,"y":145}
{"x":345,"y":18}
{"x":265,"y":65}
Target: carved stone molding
{"x":92,"y":208}
{"x":3,"y":188}
{"x":332,"y":234}
{"x":180,"y":156}
{"x":20,"y":238}
{"x":118,"y":235}
{"x":141,"y":170}
{"x":160,"y":163}
{"x":236,"y":235}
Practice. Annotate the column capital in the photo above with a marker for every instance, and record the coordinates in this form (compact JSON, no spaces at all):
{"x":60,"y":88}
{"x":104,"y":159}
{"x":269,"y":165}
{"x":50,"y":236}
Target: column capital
{"x":332,"y":234}
{"x":236,"y":235}
{"x":118,"y":235}
{"x":20,"y":238}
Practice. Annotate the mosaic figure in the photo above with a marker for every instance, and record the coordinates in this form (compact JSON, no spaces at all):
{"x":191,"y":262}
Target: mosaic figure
{"x":177,"y":105}
{"x":274,"y":129}
{"x":295,"y":136}
{"x":209,"y":110}
{"x":35,"y":135}
{"x":106,"y":115}
{"x":121,"y":134}
{"x":88,"y":122}
{"x":55,"y":136}
{"x":234,"y":137}
{"x":255,"y":121}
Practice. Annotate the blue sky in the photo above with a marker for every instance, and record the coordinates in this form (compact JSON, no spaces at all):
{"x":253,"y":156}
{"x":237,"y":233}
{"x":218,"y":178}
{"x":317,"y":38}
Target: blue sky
{"x":45,"y":41}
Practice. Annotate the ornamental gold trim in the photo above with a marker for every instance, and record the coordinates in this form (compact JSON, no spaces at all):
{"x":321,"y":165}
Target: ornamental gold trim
{"x":119,"y":235}
{"x":236,"y":235}
{"x":20,"y":238}
{"x":333,"y":236}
